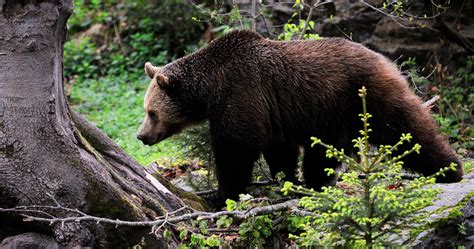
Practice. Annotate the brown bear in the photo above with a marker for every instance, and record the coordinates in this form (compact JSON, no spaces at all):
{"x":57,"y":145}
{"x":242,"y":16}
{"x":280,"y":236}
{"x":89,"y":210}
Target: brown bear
{"x":270,"y":97}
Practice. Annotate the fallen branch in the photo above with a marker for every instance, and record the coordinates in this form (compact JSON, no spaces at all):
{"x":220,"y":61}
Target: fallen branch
{"x":44,"y":214}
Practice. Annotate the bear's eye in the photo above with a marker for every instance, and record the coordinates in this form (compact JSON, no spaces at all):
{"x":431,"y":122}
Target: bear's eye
{"x":152,"y":115}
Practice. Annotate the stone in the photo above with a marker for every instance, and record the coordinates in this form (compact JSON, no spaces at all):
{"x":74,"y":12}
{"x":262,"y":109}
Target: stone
{"x":30,"y":241}
{"x":454,"y":225}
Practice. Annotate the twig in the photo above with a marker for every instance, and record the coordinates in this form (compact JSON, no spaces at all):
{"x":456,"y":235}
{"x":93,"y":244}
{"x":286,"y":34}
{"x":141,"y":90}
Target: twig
{"x":206,"y":192}
{"x":254,"y":15}
{"x":403,"y":176}
{"x":260,"y":164}
{"x":393,"y":17}
{"x":310,"y":15}
{"x":308,"y":19}
{"x":223,"y":230}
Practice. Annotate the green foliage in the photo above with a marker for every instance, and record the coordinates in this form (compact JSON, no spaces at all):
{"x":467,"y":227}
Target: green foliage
{"x":87,"y":13}
{"x":80,"y":58}
{"x":399,"y":10}
{"x":250,"y":232}
{"x":254,"y":230}
{"x":456,"y":107}
{"x":197,"y":238}
{"x":414,"y":72}
{"x":297,"y":27}
{"x":371,"y":211}
{"x":224,"y":222}
{"x":131,"y":33}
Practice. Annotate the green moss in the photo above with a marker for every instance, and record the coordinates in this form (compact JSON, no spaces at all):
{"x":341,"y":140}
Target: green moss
{"x":454,"y":212}
{"x":105,"y":203}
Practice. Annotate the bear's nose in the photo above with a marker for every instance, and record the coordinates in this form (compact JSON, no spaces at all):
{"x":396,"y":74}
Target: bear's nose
{"x":140,"y":137}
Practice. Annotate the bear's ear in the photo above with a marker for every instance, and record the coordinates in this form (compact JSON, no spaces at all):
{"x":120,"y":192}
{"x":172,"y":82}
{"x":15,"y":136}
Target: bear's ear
{"x":162,"y":80}
{"x":150,"y":70}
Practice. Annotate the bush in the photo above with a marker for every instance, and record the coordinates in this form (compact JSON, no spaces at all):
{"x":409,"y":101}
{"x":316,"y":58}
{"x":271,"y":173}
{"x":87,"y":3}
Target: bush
{"x":132,"y":33}
{"x":373,"y":206}
{"x":456,"y":105}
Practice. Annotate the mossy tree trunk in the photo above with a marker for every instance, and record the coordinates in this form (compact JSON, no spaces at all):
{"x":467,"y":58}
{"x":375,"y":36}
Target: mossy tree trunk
{"x":49,"y":153}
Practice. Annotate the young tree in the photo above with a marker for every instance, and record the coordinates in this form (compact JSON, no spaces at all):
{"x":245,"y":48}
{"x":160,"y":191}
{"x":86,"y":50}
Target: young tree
{"x":50,"y":155}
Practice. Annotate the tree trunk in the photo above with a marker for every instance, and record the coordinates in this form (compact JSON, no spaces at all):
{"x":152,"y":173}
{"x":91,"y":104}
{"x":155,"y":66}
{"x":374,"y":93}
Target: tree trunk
{"x":48,"y":153}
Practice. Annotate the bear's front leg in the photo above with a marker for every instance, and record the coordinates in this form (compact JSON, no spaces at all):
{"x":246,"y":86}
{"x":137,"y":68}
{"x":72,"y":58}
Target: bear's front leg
{"x":234,"y":164}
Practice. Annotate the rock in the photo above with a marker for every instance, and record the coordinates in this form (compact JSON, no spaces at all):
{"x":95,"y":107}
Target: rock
{"x":397,"y":38}
{"x":391,"y":37}
{"x":454,"y":225}
{"x":30,"y":241}
{"x":192,"y":182}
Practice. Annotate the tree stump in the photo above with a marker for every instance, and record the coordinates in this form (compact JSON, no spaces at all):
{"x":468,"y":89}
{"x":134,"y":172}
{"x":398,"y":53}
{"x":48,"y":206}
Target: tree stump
{"x":50,"y":155}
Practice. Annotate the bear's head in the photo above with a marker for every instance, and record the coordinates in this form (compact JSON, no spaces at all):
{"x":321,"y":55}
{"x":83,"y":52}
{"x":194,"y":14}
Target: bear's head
{"x":162,"y":116}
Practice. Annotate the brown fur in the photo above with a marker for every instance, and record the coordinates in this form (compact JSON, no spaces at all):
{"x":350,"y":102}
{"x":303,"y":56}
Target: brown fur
{"x":270,"y":97}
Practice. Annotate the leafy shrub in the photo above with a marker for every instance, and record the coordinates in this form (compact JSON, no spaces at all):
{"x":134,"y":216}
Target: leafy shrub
{"x":133,"y":32}
{"x":87,"y":13}
{"x":376,"y":210}
{"x":80,"y":58}
{"x":456,"y":107}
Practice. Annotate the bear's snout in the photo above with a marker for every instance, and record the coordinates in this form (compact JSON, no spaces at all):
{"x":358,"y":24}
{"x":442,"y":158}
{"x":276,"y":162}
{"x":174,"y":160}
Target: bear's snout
{"x":146,"y":139}
{"x":140,"y":137}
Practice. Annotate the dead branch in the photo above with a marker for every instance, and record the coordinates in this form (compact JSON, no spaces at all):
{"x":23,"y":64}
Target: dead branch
{"x":45,"y":214}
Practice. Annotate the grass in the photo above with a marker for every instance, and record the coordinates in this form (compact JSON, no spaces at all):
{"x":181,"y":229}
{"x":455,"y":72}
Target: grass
{"x":468,"y":166}
{"x":115,"y":105}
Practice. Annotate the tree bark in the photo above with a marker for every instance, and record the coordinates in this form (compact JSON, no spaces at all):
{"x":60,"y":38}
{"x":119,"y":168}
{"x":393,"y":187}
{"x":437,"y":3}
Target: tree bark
{"x":50,"y":154}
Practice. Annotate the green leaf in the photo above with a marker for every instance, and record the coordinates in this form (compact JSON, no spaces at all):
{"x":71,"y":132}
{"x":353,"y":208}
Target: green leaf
{"x":213,"y":241}
{"x":167,"y":234}
{"x":183,"y":234}
{"x":230,"y":205}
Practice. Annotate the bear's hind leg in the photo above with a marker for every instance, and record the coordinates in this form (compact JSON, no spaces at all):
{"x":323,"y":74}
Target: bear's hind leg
{"x":282,"y":158}
{"x":314,"y":163}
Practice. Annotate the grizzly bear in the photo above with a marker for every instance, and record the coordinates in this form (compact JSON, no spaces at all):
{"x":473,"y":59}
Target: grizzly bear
{"x":270,"y":97}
